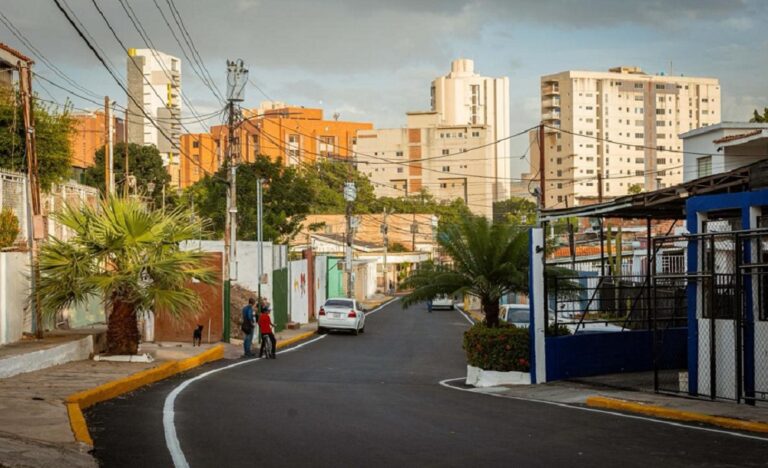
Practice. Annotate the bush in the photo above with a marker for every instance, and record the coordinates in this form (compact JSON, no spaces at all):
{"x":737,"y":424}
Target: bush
{"x":9,"y":228}
{"x":504,"y":348}
{"x":560,"y":330}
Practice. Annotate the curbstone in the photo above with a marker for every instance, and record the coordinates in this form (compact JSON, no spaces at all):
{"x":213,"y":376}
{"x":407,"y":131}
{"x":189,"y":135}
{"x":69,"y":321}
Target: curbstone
{"x":674,"y":414}
{"x":82,"y":400}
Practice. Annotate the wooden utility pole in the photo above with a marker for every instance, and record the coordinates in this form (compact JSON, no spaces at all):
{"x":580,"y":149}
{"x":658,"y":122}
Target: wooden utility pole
{"x":542,"y":167}
{"x":109,"y":161}
{"x":384,"y":233}
{"x":36,"y":227}
{"x":414,"y":230}
{"x":126,"y":171}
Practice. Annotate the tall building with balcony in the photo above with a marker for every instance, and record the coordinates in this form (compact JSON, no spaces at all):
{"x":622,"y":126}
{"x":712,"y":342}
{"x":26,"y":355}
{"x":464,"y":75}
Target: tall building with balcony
{"x":154,"y":86}
{"x":451,"y":151}
{"x":608,"y":131}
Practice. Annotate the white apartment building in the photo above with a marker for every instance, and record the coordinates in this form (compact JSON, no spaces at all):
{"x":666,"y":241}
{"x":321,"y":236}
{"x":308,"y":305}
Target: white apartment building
{"x":607,"y":131}
{"x":154,"y":81}
{"x":448,"y":151}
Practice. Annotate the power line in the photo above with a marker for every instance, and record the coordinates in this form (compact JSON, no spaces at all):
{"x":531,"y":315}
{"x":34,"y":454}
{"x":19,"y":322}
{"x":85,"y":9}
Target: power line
{"x":114,"y":77}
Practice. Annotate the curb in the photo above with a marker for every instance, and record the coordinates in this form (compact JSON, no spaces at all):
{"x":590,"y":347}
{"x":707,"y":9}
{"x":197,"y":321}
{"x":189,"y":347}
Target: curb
{"x":82,"y":400}
{"x":295,"y":339}
{"x":676,"y":415}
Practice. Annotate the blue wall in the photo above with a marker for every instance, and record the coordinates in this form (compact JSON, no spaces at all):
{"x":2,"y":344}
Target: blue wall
{"x":609,"y":353}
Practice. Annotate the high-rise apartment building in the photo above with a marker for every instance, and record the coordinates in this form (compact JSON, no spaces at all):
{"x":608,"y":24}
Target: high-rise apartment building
{"x":293,"y":134}
{"x":609,"y":131}
{"x":89,"y":135}
{"x":154,"y":82}
{"x":452,"y":151}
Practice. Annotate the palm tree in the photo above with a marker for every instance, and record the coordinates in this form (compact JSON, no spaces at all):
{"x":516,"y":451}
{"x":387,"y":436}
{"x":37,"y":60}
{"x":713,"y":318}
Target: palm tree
{"x":129,"y":255}
{"x":489,"y":261}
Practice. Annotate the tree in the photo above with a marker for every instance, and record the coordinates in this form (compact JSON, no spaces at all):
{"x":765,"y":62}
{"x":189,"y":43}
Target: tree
{"x":144,"y":162}
{"x":489,"y":261}
{"x":515,"y":210}
{"x":634,"y":189}
{"x":287,"y":199}
{"x":9,"y":228}
{"x":128,"y":254}
{"x":757,"y":118}
{"x":326,"y":180}
{"x":52,"y":131}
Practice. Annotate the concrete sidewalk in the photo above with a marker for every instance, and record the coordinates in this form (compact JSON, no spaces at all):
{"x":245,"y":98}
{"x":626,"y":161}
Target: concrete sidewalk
{"x":35,"y":425}
{"x":679,"y":408}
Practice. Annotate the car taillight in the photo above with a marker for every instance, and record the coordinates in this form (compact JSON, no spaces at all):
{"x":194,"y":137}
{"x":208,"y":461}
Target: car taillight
{"x":351,"y":314}
{"x":322,"y":311}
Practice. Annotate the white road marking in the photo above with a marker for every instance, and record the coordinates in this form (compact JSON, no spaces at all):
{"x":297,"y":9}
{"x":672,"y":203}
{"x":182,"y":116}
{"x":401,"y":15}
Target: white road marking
{"x":463,"y":314}
{"x":171,"y":438}
{"x":594,"y":410}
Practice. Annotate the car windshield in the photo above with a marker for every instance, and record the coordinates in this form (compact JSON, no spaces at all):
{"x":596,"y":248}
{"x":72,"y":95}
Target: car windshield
{"x":518,"y":316}
{"x":338,"y":303}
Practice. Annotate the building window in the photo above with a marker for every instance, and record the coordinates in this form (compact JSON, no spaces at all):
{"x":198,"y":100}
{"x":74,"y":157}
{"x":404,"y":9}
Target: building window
{"x":638,"y":86}
{"x":659,"y":86}
{"x":476,"y":134}
{"x":639,"y":135}
{"x":639,"y":160}
{"x":195,"y":144}
{"x":398,"y":153}
{"x":639,"y":172}
{"x":661,"y":160}
{"x":704,"y":166}
{"x":446,"y":168}
{"x":399,"y":170}
{"x":443,"y":185}
{"x":446,"y":152}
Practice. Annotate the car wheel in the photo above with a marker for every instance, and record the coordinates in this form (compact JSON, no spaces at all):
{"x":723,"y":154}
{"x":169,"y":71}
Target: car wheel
{"x":356,"y":331}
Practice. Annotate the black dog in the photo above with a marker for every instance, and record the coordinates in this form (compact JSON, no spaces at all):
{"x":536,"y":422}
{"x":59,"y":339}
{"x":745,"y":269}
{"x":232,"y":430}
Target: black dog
{"x":197,"y":336}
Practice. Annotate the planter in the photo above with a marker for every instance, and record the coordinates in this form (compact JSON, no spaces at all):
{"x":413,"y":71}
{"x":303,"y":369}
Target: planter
{"x":484,"y":378}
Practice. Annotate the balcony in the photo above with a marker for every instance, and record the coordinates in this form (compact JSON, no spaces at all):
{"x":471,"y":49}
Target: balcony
{"x":552,"y":126}
{"x":551,"y":115}
{"x":550,"y":89}
{"x":551,"y":102}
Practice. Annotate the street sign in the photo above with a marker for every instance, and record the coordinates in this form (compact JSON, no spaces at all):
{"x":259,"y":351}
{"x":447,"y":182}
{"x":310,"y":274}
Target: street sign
{"x":350,"y":191}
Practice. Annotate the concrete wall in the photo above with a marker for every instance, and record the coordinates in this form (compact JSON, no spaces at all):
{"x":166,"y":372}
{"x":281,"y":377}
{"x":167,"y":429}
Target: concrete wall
{"x":14,"y":286}
{"x":299,"y":287}
{"x":76,"y":350}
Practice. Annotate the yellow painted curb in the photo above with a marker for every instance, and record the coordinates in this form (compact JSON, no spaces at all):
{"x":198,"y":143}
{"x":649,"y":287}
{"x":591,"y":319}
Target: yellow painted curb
{"x":677,"y":415}
{"x":82,"y":400}
{"x":295,"y":339}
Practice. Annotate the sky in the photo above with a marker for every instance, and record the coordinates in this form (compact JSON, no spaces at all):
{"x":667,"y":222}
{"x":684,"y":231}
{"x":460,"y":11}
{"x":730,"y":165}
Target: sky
{"x":373,"y":60}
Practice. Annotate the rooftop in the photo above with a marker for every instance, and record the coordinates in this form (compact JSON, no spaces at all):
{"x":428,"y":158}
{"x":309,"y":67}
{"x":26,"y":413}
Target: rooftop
{"x":724,"y":126}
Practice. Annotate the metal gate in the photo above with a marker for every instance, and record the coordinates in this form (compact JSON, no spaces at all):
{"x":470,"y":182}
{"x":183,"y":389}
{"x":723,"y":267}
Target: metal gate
{"x":724,"y":291}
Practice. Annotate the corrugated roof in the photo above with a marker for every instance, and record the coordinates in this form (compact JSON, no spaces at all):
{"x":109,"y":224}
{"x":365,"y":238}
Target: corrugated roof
{"x":737,"y":137}
{"x":16,"y":53}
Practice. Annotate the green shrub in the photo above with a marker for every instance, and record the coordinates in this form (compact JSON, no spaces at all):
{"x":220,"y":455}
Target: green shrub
{"x":504,"y":348}
{"x":9,"y":228}
{"x":560,"y":330}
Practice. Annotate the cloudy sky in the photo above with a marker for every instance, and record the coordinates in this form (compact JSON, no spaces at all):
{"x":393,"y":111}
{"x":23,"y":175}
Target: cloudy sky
{"x":373,"y":60}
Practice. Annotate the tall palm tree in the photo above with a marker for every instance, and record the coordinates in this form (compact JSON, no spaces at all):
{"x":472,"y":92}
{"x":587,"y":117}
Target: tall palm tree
{"x":489,"y":261}
{"x":129,"y":255}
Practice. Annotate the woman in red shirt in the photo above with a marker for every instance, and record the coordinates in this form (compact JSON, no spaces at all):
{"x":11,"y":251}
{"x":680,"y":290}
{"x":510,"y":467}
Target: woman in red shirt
{"x":265,"y":327}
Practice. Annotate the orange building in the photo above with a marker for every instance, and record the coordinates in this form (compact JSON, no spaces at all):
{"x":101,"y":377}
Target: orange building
{"x":202,"y":157}
{"x":89,"y":135}
{"x":295,"y":135}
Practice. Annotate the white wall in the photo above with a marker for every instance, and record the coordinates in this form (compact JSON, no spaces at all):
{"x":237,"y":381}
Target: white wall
{"x":299,"y":284}
{"x":321,"y":277}
{"x":14,"y":287}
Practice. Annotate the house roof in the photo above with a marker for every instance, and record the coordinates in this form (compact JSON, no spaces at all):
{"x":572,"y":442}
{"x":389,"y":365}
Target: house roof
{"x":723,"y":126}
{"x":15,"y":53}
{"x":341,"y":240}
{"x":669,"y":202}
{"x":738,"y":137}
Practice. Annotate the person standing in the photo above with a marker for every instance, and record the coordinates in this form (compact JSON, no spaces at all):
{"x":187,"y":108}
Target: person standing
{"x":248,"y":327}
{"x":429,"y":305}
{"x":265,"y":327}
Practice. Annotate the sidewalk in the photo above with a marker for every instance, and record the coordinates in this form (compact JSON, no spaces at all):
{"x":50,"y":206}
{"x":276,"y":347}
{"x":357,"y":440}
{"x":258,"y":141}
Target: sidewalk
{"x":678,"y":408}
{"x":35,"y":425}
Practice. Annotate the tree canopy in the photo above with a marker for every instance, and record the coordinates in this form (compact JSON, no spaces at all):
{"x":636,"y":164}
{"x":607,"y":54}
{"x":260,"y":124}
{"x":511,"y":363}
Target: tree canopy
{"x":758,"y":118}
{"x":52,"y":130}
{"x":144,"y":162}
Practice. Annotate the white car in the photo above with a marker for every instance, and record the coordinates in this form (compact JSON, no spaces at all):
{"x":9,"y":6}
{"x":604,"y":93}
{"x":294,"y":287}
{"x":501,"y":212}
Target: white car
{"x":341,"y":313}
{"x":444,"y":301}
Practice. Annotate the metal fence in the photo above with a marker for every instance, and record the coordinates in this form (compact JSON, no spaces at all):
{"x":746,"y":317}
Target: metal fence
{"x":14,"y":193}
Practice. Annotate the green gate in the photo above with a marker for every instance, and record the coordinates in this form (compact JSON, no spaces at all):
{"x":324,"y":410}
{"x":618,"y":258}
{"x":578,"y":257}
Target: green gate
{"x":334,"y":279}
{"x":280,"y":298}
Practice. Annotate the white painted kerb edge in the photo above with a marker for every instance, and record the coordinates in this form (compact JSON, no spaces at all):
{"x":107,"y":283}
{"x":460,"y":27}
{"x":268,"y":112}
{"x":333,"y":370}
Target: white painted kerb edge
{"x":480,"y":378}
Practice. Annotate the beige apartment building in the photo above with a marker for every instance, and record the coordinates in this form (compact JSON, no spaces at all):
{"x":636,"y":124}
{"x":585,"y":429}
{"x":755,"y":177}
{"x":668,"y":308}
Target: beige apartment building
{"x":453,"y":150}
{"x":154,"y":82}
{"x":607,"y":131}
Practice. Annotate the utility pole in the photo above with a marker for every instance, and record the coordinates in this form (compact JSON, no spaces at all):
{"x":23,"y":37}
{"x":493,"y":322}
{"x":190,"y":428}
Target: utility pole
{"x":384,"y":233}
{"x":259,"y":231}
{"x":35,"y":225}
{"x":350,"y":194}
{"x":237,"y":77}
{"x":600,"y":185}
{"x":542,"y":164}
{"x":414,"y":230}
{"x":109,"y":169}
{"x":126,"y":172}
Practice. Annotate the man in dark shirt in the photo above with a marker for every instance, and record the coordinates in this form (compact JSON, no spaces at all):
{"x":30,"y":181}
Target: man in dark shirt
{"x":248,"y":327}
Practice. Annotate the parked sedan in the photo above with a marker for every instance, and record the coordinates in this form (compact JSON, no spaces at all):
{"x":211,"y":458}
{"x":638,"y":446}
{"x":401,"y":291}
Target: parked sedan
{"x":341,"y":314}
{"x":442,"y":301}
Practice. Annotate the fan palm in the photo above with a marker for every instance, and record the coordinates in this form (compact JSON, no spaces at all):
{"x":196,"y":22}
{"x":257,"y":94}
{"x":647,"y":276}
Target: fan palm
{"x":489,"y":261}
{"x":130,"y":256}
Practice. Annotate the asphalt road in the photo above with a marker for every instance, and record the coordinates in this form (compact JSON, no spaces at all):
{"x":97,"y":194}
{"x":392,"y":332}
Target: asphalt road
{"x":374,"y":400}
